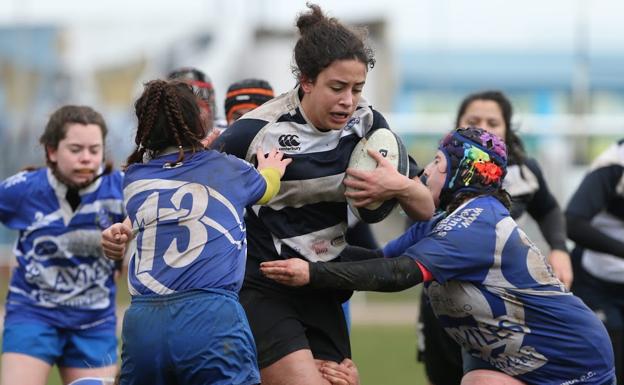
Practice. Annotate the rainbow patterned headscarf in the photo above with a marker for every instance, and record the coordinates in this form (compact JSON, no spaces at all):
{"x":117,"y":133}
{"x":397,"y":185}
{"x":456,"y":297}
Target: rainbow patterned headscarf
{"x":476,"y":161}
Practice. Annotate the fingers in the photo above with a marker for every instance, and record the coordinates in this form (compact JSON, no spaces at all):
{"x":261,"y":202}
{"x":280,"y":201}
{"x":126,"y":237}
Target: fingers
{"x":376,"y":155}
{"x":114,"y":240}
{"x":381,"y":160}
{"x":291,"y":272}
{"x":348,"y":363}
{"x":358,"y":175}
{"x":209,"y":140}
{"x":339,"y":373}
{"x":356,"y":182}
{"x":273,"y":154}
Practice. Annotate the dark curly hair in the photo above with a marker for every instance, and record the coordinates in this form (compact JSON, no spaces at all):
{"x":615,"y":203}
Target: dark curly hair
{"x":515,"y":148}
{"x":324,"y":40}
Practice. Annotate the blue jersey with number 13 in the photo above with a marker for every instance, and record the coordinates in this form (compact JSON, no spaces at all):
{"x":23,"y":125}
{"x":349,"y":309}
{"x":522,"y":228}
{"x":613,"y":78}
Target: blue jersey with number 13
{"x":188,"y":222}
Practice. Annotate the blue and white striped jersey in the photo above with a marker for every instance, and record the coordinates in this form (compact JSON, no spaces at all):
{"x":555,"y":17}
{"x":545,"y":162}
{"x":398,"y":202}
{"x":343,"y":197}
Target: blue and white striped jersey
{"x":308,"y":217}
{"x":495,"y":295}
{"x":188,"y":221}
{"x":62,"y":276}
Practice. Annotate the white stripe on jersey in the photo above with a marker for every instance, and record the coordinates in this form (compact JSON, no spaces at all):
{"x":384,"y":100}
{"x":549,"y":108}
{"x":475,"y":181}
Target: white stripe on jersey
{"x":322,"y":245}
{"x":323,"y":189}
{"x":299,"y":138}
{"x":520,"y":180}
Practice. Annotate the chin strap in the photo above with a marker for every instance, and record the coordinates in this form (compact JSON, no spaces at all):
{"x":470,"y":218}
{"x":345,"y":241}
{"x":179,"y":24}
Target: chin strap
{"x":381,"y":274}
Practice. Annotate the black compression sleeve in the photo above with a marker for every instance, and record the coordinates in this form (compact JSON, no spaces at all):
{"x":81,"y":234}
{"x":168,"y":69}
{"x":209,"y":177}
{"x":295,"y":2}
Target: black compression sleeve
{"x":355,"y":253}
{"x":553,"y":229}
{"x":386,"y":275}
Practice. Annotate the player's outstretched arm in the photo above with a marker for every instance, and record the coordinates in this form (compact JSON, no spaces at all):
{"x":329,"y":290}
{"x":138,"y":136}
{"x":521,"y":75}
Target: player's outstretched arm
{"x":385,"y":182}
{"x":381,"y":274}
{"x":115,"y":239}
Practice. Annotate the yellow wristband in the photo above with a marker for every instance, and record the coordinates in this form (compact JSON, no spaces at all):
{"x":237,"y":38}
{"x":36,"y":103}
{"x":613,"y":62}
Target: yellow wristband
{"x":272,"y":178}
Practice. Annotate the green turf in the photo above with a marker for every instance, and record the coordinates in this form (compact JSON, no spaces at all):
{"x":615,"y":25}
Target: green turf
{"x":384,"y":354}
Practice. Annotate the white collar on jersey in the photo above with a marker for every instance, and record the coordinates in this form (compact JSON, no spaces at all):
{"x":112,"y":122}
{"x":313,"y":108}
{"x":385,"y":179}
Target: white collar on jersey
{"x":61,"y":188}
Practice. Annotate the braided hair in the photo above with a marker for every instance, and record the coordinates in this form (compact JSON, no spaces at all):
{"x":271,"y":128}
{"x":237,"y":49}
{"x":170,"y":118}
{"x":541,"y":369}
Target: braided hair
{"x":168,"y":115}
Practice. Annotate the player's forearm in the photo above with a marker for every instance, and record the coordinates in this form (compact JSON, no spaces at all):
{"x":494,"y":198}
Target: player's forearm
{"x":417,"y":201}
{"x":587,"y":236}
{"x":385,"y":275}
{"x":356,"y":253}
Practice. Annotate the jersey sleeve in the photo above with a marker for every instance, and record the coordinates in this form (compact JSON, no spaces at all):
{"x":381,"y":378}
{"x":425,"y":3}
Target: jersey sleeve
{"x":12,"y":190}
{"x":460,"y":247}
{"x":254,"y":184}
{"x":544,"y":208}
{"x":543,"y":201}
{"x":595,"y":193}
{"x":238,"y":137}
{"x":414,"y":234}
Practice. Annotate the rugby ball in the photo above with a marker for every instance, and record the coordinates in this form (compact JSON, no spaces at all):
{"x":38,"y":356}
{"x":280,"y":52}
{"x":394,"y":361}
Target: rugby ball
{"x":390,"y":146}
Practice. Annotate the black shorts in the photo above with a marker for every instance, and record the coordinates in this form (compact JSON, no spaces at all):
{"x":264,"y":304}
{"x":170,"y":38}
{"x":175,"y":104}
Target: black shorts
{"x":284,"y":322}
{"x":440,"y":354}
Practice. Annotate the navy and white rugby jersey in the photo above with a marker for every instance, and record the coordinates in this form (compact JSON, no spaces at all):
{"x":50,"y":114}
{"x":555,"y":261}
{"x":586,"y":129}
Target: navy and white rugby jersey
{"x":599,"y":200}
{"x":496,"y":296}
{"x":529,"y":193}
{"x":188,"y":220}
{"x":308,"y":217}
{"x":62,"y":276}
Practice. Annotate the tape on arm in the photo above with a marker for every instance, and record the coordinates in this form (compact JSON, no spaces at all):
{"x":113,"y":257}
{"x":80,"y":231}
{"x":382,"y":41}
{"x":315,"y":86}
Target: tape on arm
{"x":272,"y":178}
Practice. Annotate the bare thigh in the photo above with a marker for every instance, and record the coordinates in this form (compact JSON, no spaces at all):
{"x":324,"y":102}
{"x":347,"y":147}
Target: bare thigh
{"x":72,"y":374}
{"x":296,"y":368}
{"x":22,"y":369}
{"x":488,"y":377}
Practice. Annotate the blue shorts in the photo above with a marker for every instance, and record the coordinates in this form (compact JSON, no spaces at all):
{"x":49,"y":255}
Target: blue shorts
{"x":88,"y":348}
{"x":193,"y":337}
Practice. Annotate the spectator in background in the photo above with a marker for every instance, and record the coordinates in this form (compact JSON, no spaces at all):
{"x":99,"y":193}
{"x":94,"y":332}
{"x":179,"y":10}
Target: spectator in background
{"x":204,"y":90}
{"x":60,"y":308}
{"x":595,"y":219}
{"x":244,"y":96}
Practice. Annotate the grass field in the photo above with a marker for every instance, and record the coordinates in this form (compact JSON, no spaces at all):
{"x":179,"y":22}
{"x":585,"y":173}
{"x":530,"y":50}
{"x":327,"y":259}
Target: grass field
{"x":385,"y":354}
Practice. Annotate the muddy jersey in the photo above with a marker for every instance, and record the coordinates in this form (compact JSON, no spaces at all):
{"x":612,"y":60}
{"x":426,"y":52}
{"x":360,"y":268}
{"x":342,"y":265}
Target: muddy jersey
{"x":495,"y":295}
{"x":188,"y":220}
{"x":62,"y":276}
{"x":308,"y":217}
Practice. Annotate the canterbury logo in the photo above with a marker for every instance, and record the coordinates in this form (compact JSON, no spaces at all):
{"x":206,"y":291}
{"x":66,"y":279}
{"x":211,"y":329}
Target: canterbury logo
{"x":289,"y":142}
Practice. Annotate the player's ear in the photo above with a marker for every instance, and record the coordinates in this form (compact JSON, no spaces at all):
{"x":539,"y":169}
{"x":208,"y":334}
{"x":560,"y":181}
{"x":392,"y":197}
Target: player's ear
{"x":306,"y":84}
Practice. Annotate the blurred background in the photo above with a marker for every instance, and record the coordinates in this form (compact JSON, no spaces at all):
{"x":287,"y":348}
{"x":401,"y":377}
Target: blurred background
{"x":561,"y":62}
